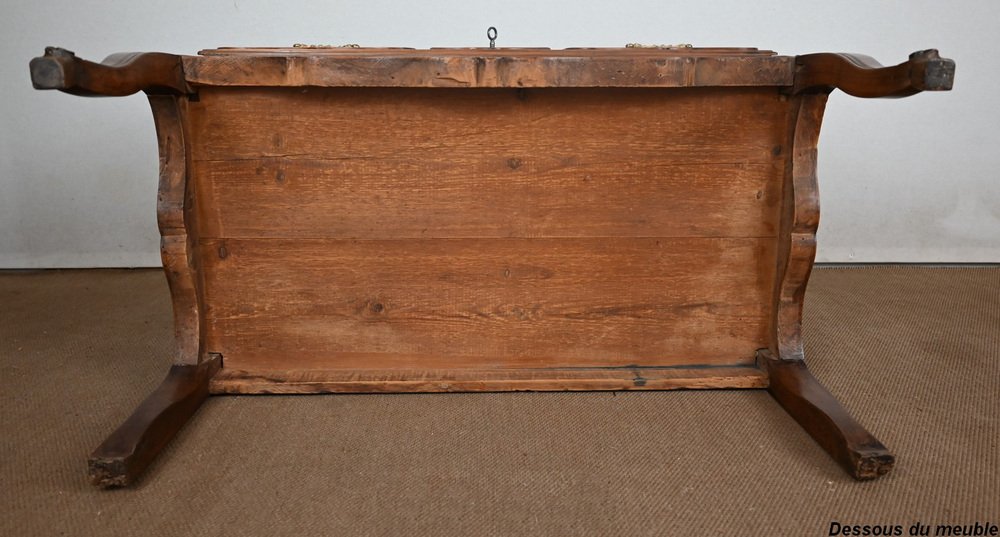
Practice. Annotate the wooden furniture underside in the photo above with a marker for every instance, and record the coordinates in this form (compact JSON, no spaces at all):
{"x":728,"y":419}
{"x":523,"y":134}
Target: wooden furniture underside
{"x":396,"y":220}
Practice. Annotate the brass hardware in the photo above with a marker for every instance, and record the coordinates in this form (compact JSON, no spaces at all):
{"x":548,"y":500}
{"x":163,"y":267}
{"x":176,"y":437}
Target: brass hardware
{"x":640,"y":45}
{"x":303,"y":45}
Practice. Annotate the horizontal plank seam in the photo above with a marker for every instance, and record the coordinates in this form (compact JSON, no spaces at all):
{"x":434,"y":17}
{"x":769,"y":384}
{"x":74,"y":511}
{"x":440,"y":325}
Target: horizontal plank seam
{"x":295,"y":238}
{"x":499,"y":369}
{"x":750,"y":365}
{"x":309,"y":157}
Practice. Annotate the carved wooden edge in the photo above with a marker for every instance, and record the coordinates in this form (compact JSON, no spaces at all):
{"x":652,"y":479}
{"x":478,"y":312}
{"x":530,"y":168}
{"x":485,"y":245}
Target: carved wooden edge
{"x":174,"y":211}
{"x":816,"y":75}
{"x":120,"y":459}
{"x":799,"y":221}
{"x":790,"y":382}
{"x":161,"y":76}
{"x":118,"y":75}
{"x":447,"y":69}
{"x":132,"y":447}
{"x":156,"y":73}
{"x":862,"y":76}
{"x":823,"y":417}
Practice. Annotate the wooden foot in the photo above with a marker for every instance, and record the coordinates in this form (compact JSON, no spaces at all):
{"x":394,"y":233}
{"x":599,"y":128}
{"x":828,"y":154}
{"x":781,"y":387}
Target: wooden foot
{"x":134,"y":445}
{"x":822,"y":416}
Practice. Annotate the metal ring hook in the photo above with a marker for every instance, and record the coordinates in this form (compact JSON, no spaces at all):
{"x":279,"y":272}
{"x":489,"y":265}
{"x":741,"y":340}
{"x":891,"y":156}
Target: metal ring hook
{"x":491,"y":33}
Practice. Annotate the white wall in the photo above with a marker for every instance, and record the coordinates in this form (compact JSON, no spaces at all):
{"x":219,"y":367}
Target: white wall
{"x":910,"y":180}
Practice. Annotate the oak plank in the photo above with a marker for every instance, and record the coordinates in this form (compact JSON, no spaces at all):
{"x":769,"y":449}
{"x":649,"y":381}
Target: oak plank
{"x":543,"y":196}
{"x":321,"y":304}
{"x":401,"y":163}
{"x":734,"y":125}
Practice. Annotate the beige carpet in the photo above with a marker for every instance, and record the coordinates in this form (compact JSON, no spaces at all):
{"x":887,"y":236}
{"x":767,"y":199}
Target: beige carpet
{"x":914,"y":353}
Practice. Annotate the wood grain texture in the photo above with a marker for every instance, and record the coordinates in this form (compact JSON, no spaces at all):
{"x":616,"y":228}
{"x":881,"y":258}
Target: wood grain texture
{"x":498,"y":52}
{"x":826,"y":420}
{"x":489,"y":163}
{"x":120,"y":74}
{"x":495,"y":229}
{"x":173,"y":216}
{"x":862,"y":76}
{"x":467,"y":303}
{"x":626,"y":125}
{"x":360,"y":221}
{"x":489,"y":196}
{"x":128,"y":451}
{"x":232,"y":381}
{"x":481,"y":68}
{"x":797,"y":242}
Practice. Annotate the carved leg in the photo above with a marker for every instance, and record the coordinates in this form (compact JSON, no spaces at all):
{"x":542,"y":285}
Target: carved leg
{"x":131,"y":448}
{"x":820,"y":414}
{"x":134,"y":445}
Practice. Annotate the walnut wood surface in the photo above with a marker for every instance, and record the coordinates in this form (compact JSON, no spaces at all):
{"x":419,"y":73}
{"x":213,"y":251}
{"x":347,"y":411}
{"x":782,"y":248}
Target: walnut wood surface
{"x":176,"y":243}
{"x":485,"y":380}
{"x":124,"y":455}
{"x":823,"y":417}
{"x":118,"y":75}
{"x":862,"y":76}
{"x":800,"y":219}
